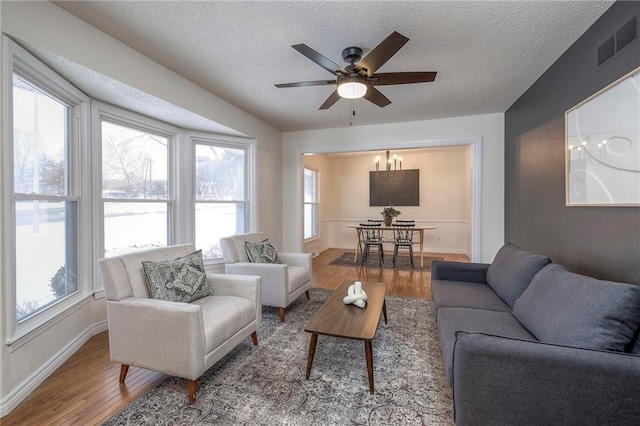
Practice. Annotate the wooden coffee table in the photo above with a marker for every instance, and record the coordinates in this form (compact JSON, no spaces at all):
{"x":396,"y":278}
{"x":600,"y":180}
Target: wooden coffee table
{"x":334,"y":318}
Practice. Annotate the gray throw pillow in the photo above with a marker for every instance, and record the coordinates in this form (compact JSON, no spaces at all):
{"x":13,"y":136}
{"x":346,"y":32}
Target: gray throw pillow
{"x":512,"y":271}
{"x":179,"y":280}
{"x":574,"y":310}
{"x":261,"y":252}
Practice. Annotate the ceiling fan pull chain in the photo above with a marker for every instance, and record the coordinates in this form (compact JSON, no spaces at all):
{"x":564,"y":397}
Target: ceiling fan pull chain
{"x":352,"y":114}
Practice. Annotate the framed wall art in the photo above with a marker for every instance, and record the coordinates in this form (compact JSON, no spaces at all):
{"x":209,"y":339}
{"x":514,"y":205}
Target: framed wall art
{"x":603,"y":146}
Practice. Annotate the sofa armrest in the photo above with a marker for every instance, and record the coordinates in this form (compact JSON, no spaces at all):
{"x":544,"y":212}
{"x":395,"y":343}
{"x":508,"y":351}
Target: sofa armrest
{"x":245,"y":286}
{"x":297,"y":259}
{"x":460,"y":271}
{"x":502,"y":381}
{"x":158,"y":335}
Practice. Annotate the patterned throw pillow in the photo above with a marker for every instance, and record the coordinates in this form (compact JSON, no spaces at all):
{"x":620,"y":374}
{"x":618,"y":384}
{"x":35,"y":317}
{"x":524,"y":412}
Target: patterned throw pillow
{"x":262,"y":252}
{"x":179,"y":280}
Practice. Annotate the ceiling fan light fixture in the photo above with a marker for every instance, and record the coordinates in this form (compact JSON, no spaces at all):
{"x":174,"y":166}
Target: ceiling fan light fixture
{"x":351,"y":88}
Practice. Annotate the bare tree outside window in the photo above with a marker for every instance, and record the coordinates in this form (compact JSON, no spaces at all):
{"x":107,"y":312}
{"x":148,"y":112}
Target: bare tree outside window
{"x":134,"y":189}
{"x":45,"y":228}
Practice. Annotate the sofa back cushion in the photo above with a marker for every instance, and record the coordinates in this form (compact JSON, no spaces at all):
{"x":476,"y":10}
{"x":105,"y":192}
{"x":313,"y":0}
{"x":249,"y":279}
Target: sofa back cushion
{"x":574,"y":310}
{"x":512,"y":271}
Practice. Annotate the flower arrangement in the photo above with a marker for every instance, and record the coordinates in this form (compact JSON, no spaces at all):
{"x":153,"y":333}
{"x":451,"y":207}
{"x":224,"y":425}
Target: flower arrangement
{"x":389,"y":211}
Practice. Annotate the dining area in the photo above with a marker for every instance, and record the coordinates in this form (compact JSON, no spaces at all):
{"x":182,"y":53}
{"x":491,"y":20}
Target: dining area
{"x":402,"y":235}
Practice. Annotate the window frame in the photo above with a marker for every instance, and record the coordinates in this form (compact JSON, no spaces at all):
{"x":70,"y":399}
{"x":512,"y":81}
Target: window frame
{"x":248,"y":145}
{"x":100,"y":112}
{"x":85,"y":184}
{"x":17,"y":60}
{"x":315,"y":203}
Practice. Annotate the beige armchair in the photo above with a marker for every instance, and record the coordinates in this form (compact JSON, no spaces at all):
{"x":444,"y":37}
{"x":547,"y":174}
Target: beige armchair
{"x":281,"y":283}
{"x":178,"y":339}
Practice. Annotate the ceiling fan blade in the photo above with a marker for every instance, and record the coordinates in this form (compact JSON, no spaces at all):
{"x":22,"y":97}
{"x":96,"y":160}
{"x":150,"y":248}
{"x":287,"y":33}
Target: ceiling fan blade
{"x":385,"y":79}
{"x":320,"y":59}
{"x":306,"y":83}
{"x":331,"y":100}
{"x":376,"y":96}
{"x":381,"y":53}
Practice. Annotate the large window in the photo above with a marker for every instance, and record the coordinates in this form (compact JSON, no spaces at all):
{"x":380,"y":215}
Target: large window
{"x":136,"y":188}
{"x":83,"y":180}
{"x":45,"y":186}
{"x":221,"y":194}
{"x":311,"y":206}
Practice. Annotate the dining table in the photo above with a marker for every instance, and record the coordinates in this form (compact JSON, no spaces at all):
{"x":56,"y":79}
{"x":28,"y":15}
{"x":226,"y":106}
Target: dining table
{"x":419,"y":229}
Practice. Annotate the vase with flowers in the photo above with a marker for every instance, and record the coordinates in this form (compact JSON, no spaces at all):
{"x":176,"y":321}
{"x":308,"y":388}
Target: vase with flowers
{"x":388,"y":213}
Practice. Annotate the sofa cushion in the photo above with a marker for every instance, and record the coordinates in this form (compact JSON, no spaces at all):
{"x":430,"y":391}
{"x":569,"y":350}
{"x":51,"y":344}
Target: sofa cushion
{"x":462,"y":294}
{"x":574,"y":310}
{"x":512,"y":271}
{"x":261,"y":252}
{"x":179,"y":280}
{"x":451,"y":320}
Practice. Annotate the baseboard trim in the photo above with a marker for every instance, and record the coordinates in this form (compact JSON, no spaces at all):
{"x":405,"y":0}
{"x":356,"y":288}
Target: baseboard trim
{"x":24,"y":389}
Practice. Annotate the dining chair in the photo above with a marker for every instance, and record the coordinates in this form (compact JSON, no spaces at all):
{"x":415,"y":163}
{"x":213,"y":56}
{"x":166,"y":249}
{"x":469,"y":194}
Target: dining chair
{"x":403,"y":237}
{"x":372,"y":237}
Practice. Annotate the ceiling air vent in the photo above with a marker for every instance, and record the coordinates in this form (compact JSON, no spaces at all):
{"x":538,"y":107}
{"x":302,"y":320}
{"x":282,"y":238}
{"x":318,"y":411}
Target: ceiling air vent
{"x":606,"y":50}
{"x":627,"y":33}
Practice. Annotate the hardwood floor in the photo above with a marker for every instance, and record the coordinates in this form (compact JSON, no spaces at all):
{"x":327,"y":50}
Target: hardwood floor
{"x":85,"y":389}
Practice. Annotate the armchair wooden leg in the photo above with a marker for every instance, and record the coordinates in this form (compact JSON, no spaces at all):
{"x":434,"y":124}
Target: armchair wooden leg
{"x":281,"y":314}
{"x":308,"y":296}
{"x":124,"y":369}
{"x":254,"y":337}
{"x":193,"y":384}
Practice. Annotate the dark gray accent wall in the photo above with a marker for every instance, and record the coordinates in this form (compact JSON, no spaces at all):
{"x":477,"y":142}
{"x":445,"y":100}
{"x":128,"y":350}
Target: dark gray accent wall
{"x":603,"y":242}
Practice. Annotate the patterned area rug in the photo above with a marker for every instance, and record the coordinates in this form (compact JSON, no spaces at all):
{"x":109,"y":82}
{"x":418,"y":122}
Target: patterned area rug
{"x":402,"y":262}
{"x":265,"y":385}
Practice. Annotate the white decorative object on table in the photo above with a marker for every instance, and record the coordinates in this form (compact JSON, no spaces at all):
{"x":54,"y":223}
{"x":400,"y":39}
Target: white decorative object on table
{"x":356,"y":295}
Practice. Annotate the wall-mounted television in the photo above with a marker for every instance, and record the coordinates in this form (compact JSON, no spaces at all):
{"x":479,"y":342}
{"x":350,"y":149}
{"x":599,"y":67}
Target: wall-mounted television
{"x":399,"y":188}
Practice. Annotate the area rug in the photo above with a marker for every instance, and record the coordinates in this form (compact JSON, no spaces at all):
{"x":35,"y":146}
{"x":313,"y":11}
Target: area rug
{"x":402,"y":262}
{"x":265,"y":385}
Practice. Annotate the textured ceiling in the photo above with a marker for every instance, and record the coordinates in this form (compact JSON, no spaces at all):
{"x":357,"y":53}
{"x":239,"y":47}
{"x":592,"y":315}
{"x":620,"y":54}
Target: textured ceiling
{"x":486,"y":53}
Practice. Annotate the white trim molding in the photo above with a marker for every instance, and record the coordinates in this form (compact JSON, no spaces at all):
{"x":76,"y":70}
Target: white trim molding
{"x":20,"y":392}
{"x":476,"y":203}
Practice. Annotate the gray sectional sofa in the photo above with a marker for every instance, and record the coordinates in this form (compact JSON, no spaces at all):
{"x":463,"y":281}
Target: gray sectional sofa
{"x":526,"y":342}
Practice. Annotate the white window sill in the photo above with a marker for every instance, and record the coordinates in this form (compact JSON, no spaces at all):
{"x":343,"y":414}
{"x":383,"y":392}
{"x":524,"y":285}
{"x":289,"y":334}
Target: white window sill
{"x":46,"y":319}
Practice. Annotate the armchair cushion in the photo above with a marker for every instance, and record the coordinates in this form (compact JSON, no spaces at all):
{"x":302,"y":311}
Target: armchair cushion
{"x":298,"y":276}
{"x":224,"y":316}
{"x":261,"y":252}
{"x":179,"y":280}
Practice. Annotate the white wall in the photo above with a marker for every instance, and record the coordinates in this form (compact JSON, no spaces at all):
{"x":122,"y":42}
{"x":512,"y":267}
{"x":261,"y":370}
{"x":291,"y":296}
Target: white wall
{"x":445,"y":199}
{"x":489,"y":128}
{"x":45,"y":26}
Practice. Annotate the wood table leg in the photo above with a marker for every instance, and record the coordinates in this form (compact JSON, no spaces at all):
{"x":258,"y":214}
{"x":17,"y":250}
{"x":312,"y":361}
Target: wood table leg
{"x":312,"y":352}
{"x":384,"y":310}
{"x":359,"y":246}
{"x":369,"y":354}
{"x":422,"y":249}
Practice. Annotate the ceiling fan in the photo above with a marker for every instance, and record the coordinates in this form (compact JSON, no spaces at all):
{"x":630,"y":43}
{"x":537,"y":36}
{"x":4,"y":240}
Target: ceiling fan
{"x":358,"y":79}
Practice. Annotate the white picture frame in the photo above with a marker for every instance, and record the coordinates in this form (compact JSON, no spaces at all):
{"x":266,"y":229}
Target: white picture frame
{"x":602,"y":146}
